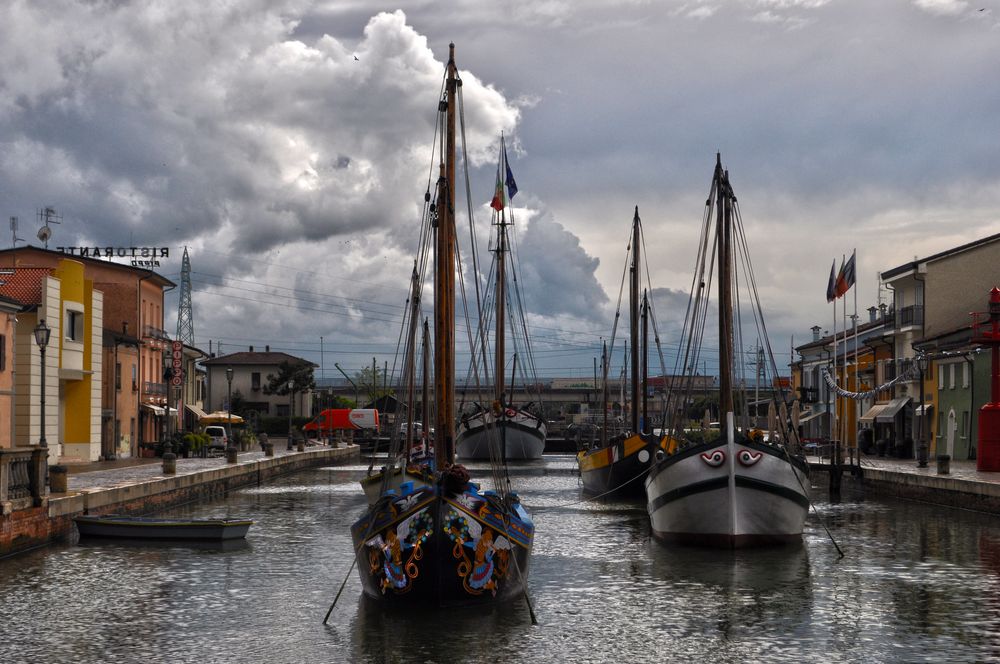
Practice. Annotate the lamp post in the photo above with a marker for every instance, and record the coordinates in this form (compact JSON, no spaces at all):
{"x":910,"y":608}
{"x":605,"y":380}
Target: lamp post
{"x":229,"y":407}
{"x":349,"y":381}
{"x":42,"y":333}
{"x":922,"y":363}
{"x":291,"y":408}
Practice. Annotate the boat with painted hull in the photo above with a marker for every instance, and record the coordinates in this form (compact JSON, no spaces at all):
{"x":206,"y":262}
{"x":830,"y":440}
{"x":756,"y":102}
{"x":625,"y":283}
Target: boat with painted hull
{"x":733,"y":490}
{"x":620,"y":467}
{"x":618,"y":464}
{"x":439,"y":541}
{"x":521,"y":435}
{"x":432,"y":547}
{"x":138,"y":527}
{"x":729,"y":495}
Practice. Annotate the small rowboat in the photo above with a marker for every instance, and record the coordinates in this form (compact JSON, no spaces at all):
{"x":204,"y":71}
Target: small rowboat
{"x":138,"y":527}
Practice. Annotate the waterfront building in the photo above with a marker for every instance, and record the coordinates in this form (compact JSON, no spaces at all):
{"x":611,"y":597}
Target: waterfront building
{"x":932,"y":299}
{"x":9,"y":309}
{"x":250,"y":376}
{"x":73,"y":309}
{"x":132,"y":306}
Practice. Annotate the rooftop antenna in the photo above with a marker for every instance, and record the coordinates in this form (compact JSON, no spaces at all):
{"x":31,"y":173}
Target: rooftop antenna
{"x":47,"y":216}
{"x":13,"y":232}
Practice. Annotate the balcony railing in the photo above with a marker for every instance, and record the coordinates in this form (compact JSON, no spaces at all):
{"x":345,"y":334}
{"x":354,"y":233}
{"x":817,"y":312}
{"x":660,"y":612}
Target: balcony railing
{"x":808,"y":394}
{"x":155,"y":388}
{"x":912,"y":315}
{"x":150,"y":332}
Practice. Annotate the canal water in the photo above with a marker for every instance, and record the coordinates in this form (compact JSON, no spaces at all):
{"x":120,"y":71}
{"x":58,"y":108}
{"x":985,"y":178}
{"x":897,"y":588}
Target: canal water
{"x":917,"y":583}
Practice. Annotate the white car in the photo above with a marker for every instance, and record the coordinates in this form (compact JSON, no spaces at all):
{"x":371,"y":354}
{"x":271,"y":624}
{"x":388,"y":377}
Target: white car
{"x":220,"y":440}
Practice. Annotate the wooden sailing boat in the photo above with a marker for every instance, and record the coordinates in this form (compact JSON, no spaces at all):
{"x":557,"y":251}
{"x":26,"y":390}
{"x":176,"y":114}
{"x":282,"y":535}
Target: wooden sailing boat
{"x":502,"y":429}
{"x":736,"y":490}
{"x":447,"y":543}
{"x":618,"y":464}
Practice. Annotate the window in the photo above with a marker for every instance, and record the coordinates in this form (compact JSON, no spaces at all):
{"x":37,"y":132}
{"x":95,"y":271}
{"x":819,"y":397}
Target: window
{"x":74,"y":325}
{"x":951,"y":376}
{"x":282,"y":410}
{"x":118,"y":376}
{"x":965,"y":424}
{"x":135,"y":379}
{"x":965,"y":374}
{"x":3,"y":352}
{"x":255,"y":381}
{"x":940,"y":377}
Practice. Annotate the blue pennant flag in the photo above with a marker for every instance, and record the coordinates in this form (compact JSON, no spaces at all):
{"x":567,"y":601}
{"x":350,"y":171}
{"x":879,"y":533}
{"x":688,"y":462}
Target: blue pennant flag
{"x":511,"y":185}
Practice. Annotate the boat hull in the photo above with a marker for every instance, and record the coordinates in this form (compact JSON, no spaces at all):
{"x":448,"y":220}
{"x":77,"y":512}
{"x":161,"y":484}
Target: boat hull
{"x":728,"y":495}
{"x":163,"y":529}
{"x":619,"y":468}
{"x":428,"y":548}
{"x":522,"y":436}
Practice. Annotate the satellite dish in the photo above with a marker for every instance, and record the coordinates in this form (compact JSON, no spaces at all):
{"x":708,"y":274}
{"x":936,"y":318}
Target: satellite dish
{"x":44,"y":233}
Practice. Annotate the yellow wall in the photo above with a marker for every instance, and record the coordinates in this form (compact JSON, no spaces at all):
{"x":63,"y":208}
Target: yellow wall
{"x":77,"y":393}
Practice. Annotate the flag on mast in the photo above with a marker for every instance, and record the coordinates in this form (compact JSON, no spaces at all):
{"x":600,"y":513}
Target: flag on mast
{"x":497,"y":202}
{"x":831,"y":286}
{"x":511,"y":185}
{"x":846,"y":277}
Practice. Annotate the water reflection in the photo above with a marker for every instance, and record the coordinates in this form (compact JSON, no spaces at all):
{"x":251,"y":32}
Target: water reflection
{"x":916,"y":584}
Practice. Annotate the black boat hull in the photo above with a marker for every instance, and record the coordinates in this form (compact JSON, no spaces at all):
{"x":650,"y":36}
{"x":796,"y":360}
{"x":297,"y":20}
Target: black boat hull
{"x":426,"y":548}
{"x":619,"y":468}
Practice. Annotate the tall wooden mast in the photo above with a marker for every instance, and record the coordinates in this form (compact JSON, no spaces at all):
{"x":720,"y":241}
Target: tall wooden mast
{"x":633,"y":315}
{"x":501,"y":308}
{"x":444,"y":288}
{"x":724,"y":233}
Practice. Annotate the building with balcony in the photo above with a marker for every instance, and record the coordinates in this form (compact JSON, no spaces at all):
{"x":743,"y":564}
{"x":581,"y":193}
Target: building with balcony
{"x":132,"y":415}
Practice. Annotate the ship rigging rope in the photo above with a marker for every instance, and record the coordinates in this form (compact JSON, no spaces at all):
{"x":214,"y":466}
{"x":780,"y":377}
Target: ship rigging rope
{"x":905,"y":375}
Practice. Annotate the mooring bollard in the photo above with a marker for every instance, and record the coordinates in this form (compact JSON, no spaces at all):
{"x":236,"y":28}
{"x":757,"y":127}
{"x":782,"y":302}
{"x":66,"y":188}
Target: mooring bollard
{"x":944,"y":464}
{"x":169,"y":463}
{"x":231,"y":455}
{"x":58,"y":482}
{"x":301,"y":445}
{"x":269,"y":449}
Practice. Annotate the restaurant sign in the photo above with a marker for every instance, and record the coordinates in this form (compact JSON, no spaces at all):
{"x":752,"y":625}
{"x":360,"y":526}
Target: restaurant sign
{"x":139,"y":256}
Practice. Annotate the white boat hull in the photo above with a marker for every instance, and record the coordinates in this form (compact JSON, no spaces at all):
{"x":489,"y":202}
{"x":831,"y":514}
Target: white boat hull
{"x":729,"y":495}
{"x":521,"y":435}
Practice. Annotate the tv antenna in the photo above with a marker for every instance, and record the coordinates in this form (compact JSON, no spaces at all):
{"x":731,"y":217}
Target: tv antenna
{"x":47,"y":216}
{"x":13,"y":232}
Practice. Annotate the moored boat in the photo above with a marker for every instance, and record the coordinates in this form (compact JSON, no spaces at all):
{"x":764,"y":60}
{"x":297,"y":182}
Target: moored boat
{"x":139,"y":527}
{"x":443,"y":542}
{"x":618,"y":464}
{"x":734,"y":489}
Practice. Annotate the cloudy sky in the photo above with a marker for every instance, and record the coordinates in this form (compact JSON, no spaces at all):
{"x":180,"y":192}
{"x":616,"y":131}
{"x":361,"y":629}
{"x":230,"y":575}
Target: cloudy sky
{"x":286,"y":143}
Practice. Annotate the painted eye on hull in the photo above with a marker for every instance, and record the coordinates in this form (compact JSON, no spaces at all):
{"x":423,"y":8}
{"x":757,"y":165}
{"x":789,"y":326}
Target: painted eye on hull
{"x":715,"y":458}
{"x":748,"y":458}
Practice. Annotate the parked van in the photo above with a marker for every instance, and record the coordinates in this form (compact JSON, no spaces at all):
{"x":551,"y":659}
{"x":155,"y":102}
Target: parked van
{"x":341,"y":419}
{"x":220,"y":440}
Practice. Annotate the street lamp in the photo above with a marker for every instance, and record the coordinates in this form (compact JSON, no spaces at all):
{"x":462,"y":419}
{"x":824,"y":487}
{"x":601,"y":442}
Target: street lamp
{"x":229,"y":406}
{"x":351,"y":382}
{"x":42,"y":333}
{"x":922,"y":363}
{"x":291,"y":408}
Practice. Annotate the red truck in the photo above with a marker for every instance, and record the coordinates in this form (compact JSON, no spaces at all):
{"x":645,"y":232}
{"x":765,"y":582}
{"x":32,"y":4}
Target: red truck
{"x":341,"y":419}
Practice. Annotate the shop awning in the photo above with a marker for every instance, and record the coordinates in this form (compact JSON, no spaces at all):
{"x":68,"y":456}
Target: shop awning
{"x":872,"y":413}
{"x":926,"y":409}
{"x":888,"y":414}
{"x":197,"y":412}
{"x":157,"y":410}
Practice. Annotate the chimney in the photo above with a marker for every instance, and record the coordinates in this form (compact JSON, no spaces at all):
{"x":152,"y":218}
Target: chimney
{"x":124,"y":327}
{"x":815,"y":329}
{"x":251,"y":349}
{"x":882,"y":307}
{"x":267,"y":349}
{"x":872,"y":311}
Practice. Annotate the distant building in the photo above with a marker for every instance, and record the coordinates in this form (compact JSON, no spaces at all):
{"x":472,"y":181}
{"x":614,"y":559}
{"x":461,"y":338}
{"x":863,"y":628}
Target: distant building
{"x":250,"y":376}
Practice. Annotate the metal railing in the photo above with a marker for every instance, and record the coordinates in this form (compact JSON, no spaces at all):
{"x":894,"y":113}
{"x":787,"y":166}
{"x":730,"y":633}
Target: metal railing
{"x":912,"y":315}
{"x":155,"y":388}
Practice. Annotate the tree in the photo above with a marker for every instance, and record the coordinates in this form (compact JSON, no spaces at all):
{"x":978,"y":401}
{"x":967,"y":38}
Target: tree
{"x":372,"y":381}
{"x":300,"y":373}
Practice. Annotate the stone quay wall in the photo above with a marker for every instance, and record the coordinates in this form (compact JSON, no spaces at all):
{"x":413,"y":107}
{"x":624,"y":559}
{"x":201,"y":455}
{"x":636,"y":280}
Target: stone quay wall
{"x":53,"y":521}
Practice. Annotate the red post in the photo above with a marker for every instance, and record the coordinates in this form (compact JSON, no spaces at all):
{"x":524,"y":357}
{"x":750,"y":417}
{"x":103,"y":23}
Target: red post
{"x":988,"y":449}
